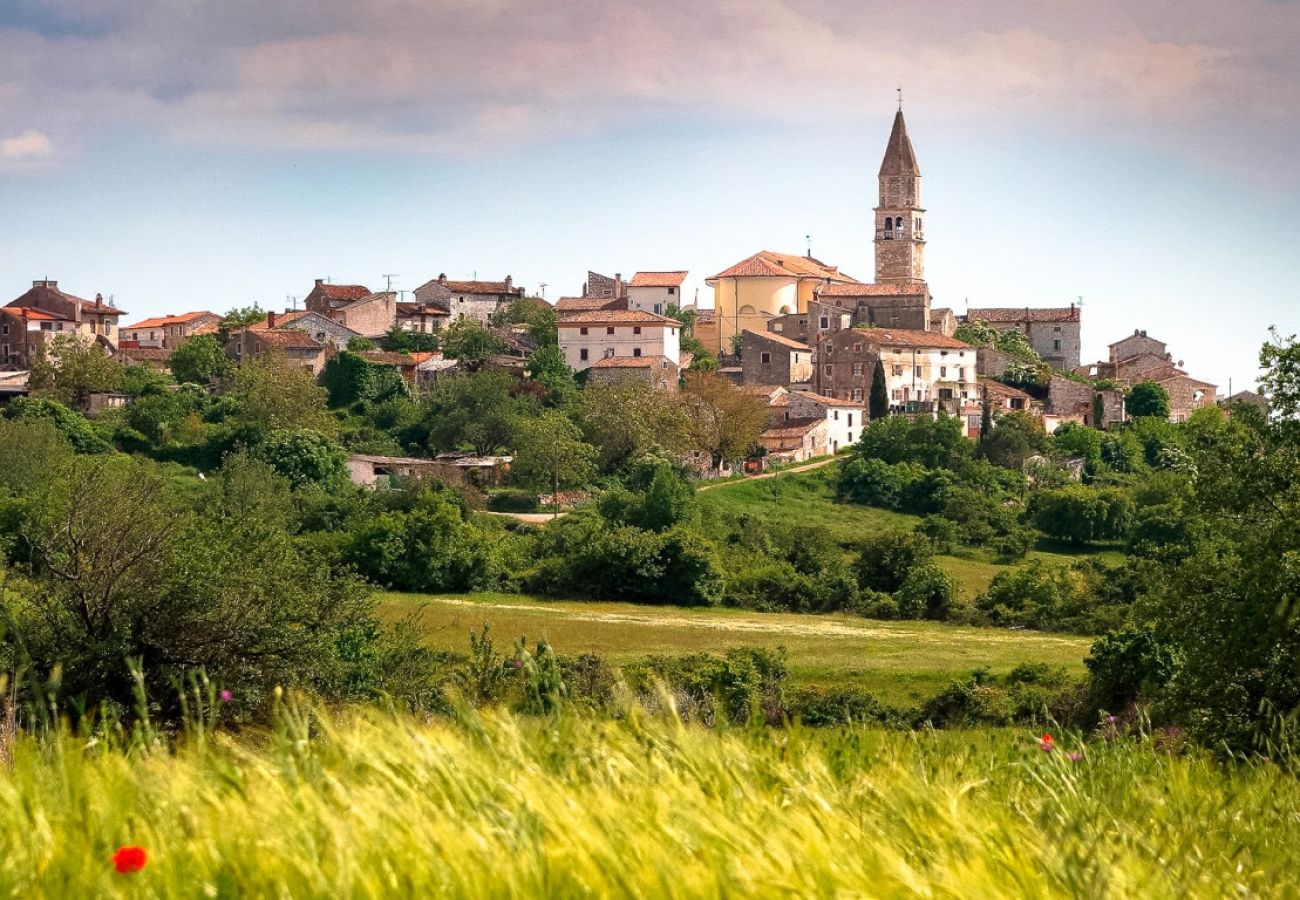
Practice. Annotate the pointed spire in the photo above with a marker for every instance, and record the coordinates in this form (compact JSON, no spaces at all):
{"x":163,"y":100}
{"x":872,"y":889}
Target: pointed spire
{"x":899,"y":158}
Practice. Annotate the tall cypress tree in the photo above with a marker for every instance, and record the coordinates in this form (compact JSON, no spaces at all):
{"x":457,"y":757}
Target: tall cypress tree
{"x":878,"y":407}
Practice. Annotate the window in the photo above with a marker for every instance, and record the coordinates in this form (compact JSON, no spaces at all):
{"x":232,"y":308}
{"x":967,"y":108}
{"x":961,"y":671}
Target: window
{"x":835,"y":414}
{"x":829,"y":370}
{"x":6,"y":330}
{"x":857,"y":348}
{"x":636,"y":351}
{"x":824,"y":322}
{"x":1056,"y":344}
{"x":850,"y":422}
{"x":898,"y":394}
{"x":636,"y":329}
{"x":850,"y":437}
{"x":609,"y":330}
{"x":857,"y":368}
{"x":582,"y":330}
{"x":609,"y":351}
{"x":918,"y":371}
{"x":765,"y":358}
{"x":659,"y":308}
{"x":1056,"y":328}
{"x":889,"y":228}
{"x":898,"y":370}
{"x":857,"y":393}
{"x":943,"y":371}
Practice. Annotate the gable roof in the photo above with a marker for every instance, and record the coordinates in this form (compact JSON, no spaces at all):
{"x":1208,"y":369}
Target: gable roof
{"x":407,"y":309}
{"x":163,"y":321}
{"x":657,"y":279}
{"x":904,"y":289}
{"x":289,"y":339}
{"x":43,"y":290}
{"x":826,"y":401}
{"x":793,"y":427}
{"x":998,"y":389}
{"x":616,"y":317}
{"x":631,"y":362}
{"x":341,"y":293}
{"x":779,"y":339}
{"x":899,"y":159}
{"x":585,"y":304}
{"x":900,"y":337}
{"x":768,"y":264}
{"x":1014,"y":314}
{"x":387,"y":358}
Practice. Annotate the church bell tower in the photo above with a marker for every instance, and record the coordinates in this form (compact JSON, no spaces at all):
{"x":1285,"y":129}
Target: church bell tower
{"x":900,"y":220}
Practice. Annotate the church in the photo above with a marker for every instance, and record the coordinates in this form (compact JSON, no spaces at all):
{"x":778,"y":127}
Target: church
{"x":767,"y":285}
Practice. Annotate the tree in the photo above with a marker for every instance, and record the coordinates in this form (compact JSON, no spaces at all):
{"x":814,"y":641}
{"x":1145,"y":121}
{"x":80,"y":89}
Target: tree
{"x":626,"y":420}
{"x":474,"y":410}
{"x":550,"y":450}
{"x":537,"y":315}
{"x":1081,"y":514}
{"x":468,"y":341}
{"x":242,"y":317}
{"x":725,"y":421}
{"x":70,"y":368}
{"x":304,"y":457}
{"x":270,"y":392}
{"x":1148,"y":399}
{"x":1015,"y":437}
{"x":349,"y":378}
{"x":548,"y":367}
{"x":1280,"y":383}
{"x":200,"y":360}
{"x":399,"y":340}
{"x":72,"y":425}
{"x":977,"y":333}
{"x":878,"y":403}
{"x":360,"y":344}
{"x":937,"y":443}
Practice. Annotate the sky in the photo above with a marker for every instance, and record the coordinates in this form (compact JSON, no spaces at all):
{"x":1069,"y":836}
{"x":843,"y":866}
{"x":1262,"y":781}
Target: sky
{"x":184,"y":154}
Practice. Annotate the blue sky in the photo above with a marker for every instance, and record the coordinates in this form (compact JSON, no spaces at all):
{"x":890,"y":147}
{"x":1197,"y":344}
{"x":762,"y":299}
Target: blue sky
{"x":202,"y":155}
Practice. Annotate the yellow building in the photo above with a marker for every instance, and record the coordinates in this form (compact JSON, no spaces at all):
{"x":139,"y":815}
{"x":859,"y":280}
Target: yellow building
{"x":767,"y":284}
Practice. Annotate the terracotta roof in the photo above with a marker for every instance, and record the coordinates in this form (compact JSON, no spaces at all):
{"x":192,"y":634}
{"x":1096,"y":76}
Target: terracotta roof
{"x":703,"y":316}
{"x":792,"y":427}
{"x":288,"y":338}
{"x":898,"y":337}
{"x":999,"y":389}
{"x":631,"y":362}
{"x":161,"y":321}
{"x":767,"y":264}
{"x":586,"y":304}
{"x":899,"y":156}
{"x":827,"y":401}
{"x":40,"y":287}
{"x":370,"y":298}
{"x":32,"y":312}
{"x":342,"y":292}
{"x":1135,"y":337}
{"x":408,"y":310}
{"x":479,"y":287}
{"x":387,"y":358}
{"x":901,"y":289}
{"x":615,"y":317}
{"x":1010,"y":314}
{"x":940,"y":311}
{"x":657,"y":279}
{"x":779,"y":339}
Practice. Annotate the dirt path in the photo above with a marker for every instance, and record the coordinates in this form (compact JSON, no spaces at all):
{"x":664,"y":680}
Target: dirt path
{"x":543,"y":518}
{"x":806,"y":467}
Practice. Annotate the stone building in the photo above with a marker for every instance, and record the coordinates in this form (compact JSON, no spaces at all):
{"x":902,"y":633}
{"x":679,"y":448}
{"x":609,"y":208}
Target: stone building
{"x":598,"y":285}
{"x":298,"y":347}
{"x":169,"y":332}
{"x":477,"y":300}
{"x":654,"y":292}
{"x":659,"y":372}
{"x":354,"y":306}
{"x":924,"y":370}
{"x":586,"y":337}
{"x":843,"y":364}
{"x":904,"y":304}
{"x":844,"y":418}
{"x":1053,"y":332}
{"x":767,"y":358}
{"x":43,"y":313}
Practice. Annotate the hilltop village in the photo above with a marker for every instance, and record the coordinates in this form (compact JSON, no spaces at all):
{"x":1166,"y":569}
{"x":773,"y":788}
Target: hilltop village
{"x":823,"y":352}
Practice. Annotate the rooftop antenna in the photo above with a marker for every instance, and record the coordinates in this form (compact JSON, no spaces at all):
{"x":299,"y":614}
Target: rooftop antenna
{"x":293,"y":301}
{"x":402,"y":294}
{"x":543,"y":286}
{"x":388,"y":280}
{"x":808,"y":240}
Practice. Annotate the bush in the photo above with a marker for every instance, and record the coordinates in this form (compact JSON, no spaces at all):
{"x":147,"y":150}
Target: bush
{"x":885,"y":560}
{"x":72,"y":425}
{"x":1081,"y":514}
{"x":941,"y":532}
{"x":1128,"y":665}
{"x":305,"y":457}
{"x":928,"y":592}
{"x":512,"y":500}
{"x":932,"y":443}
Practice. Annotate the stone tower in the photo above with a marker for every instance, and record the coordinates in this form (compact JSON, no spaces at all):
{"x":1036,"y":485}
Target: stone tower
{"x":900,"y":225}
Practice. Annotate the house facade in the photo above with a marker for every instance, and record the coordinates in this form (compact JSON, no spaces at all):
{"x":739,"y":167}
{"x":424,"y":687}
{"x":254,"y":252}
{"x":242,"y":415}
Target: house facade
{"x":587,"y":337}
{"x":298,"y":346}
{"x":44,"y":313}
{"x":658,"y":372}
{"x":768,"y":358}
{"x":924,"y":370}
{"x":843,"y":365}
{"x":844,"y":419}
{"x":795,"y":440}
{"x":654,"y":292}
{"x":1053,"y":332}
{"x":476,"y":300}
{"x":169,"y":332}
{"x":322,"y":329}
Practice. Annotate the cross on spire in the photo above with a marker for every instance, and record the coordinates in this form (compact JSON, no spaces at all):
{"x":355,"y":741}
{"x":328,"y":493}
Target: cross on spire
{"x":900,"y":98}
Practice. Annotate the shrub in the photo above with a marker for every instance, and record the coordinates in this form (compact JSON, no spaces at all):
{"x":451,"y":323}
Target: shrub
{"x":1081,"y":514}
{"x":885,"y":560}
{"x":928,"y":592}
{"x":1128,"y":665}
{"x":305,"y":457}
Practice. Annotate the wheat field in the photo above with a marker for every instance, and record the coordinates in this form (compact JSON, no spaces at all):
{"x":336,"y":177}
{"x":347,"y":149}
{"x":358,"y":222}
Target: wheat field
{"x":367,"y":803}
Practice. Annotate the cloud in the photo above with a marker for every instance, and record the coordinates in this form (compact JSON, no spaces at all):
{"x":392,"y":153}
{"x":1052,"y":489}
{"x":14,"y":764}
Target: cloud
{"x":26,"y":151}
{"x":469,"y":76}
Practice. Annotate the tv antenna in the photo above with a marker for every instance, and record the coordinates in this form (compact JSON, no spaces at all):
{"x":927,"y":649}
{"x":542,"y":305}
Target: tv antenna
{"x":808,"y":240}
{"x":388,"y":280}
{"x":293,"y":301}
{"x":543,"y":286}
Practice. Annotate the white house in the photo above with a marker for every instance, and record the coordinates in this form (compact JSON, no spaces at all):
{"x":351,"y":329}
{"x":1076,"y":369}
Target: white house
{"x":844,"y":419}
{"x":924,"y":366}
{"x":586,"y":337}
{"x":654,"y":292}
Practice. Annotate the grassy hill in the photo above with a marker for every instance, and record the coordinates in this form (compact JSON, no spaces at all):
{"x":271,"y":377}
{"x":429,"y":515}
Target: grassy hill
{"x":899,"y":662}
{"x":808,"y":498}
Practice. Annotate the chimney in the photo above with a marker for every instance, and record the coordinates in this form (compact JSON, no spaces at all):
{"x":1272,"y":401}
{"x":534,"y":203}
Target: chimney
{"x":508,"y":281}
{"x":270,"y":317}
{"x":442,"y":278}
{"x":45,"y":282}
{"x":319,"y":282}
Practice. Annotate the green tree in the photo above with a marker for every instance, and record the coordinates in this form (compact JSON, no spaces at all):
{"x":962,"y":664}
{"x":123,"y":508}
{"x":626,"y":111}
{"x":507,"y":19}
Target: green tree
{"x":360,"y":344}
{"x":242,"y":317}
{"x":1148,"y":399}
{"x":549,"y":450}
{"x":470,"y":343}
{"x":349,"y":378}
{"x":937,"y":443}
{"x":537,"y":315}
{"x":200,"y":360}
{"x":548,"y":368}
{"x":72,"y":425}
{"x":269,"y":391}
{"x":1280,"y":382}
{"x":626,"y":420}
{"x":474,"y":410}
{"x":304,"y":457}
{"x":878,"y":404}
{"x":1015,"y":437}
{"x":1082,"y":514}
{"x":69,"y":369}
{"x":977,"y":333}
{"x":928,"y":592}
{"x":399,"y":340}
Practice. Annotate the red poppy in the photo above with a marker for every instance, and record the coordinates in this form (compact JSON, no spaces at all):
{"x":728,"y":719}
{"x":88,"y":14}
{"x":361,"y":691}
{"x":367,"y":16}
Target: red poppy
{"x":1046,"y":743}
{"x":129,"y":859}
